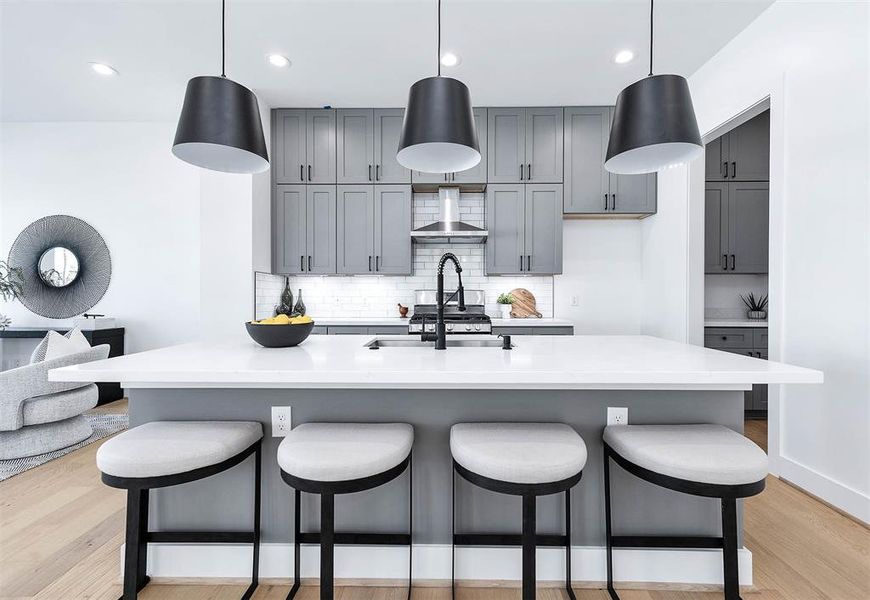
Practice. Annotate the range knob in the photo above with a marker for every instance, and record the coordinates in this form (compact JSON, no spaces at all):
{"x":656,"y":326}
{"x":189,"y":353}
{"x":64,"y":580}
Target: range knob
{"x":468,"y":328}
{"x":450,"y":327}
{"x":477,"y":326}
{"x":430,"y":327}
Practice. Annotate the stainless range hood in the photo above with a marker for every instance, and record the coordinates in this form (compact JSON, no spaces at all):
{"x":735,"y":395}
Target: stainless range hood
{"x":448,"y":228}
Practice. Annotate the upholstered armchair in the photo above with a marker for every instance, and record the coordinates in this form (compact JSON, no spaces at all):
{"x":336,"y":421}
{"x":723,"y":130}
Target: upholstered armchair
{"x":38,"y":415}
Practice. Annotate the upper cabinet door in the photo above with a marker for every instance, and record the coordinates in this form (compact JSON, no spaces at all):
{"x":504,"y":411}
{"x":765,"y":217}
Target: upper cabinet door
{"x":505,"y":221}
{"x":544,"y":150}
{"x":718,"y":167}
{"x":288,"y":146}
{"x":476,"y":174}
{"x":388,"y":130}
{"x":506,"y":146}
{"x":716,"y":227}
{"x":587,"y":183}
{"x":355,"y":229}
{"x":633,"y":194}
{"x":289,"y":232}
{"x":320,"y":256}
{"x":748,"y":205}
{"x":749,"y":150}
{"x":543,"y":228}
{"x":320,"y":146}
{"x":393,"y":222}
{"x":355,"y":141}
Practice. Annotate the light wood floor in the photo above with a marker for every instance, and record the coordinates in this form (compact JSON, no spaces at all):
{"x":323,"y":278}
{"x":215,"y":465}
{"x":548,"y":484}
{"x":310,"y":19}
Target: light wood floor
{"x":61,"y":529}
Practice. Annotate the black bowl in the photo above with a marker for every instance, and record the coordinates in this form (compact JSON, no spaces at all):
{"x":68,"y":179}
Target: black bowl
{"x":279,"y":336}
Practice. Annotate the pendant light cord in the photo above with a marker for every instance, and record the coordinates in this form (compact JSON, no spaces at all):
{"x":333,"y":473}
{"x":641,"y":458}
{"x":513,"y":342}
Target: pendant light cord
{"x":223,"y":38}
{"x":651,"y":37}
{"x":438,"y":57}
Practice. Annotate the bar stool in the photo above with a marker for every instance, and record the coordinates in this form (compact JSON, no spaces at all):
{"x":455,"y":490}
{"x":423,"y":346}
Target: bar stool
{"x":343,"y":458}
{"x":520,"y":459}
{"x":702,"y":460}
{"x":166,"y":453}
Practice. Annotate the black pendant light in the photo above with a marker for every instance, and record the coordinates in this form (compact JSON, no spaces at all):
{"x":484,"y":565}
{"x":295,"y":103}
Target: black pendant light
{"x":219,"y":127}
{"x":438,"y":133}
{"x":654,"y":123}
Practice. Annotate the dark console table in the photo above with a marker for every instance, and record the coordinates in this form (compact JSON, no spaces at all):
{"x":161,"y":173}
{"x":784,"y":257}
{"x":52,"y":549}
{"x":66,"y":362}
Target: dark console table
{"x":113,"y":337}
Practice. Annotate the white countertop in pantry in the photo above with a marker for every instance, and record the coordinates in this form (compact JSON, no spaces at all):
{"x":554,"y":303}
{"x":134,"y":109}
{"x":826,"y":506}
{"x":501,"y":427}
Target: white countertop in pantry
{"x":374,"y":321}
{"x":535,"y":362}
{"x":734,"y":323}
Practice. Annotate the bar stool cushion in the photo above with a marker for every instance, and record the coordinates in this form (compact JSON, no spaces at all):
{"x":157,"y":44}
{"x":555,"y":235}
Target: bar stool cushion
{"x":526,"y":453}
{"x":170,"y":447}
{"x":701,"y":453}
{"x":344,"y":451}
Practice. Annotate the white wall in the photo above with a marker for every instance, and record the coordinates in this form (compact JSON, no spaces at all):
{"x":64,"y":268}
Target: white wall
{"x":811,"y":59}
{"x":122,"y":179}
{"x":722,"y":294}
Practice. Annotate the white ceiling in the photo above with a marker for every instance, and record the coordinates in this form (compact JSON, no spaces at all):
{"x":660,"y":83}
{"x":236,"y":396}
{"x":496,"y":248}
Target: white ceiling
{"x":344,"y":53}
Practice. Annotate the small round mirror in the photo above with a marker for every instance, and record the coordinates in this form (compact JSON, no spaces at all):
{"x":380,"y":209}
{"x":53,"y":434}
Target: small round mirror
{"x":58,"y":267}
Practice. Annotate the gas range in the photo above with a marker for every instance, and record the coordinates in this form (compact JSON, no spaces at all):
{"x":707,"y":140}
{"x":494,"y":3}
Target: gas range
{"x":472,"y":320}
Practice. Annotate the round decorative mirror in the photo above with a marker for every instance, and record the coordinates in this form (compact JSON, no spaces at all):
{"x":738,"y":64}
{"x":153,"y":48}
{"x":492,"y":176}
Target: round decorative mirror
{"x":58,"y":267}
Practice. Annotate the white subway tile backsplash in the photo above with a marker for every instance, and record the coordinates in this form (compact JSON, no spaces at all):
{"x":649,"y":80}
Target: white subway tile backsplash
{"x":378,"y":295}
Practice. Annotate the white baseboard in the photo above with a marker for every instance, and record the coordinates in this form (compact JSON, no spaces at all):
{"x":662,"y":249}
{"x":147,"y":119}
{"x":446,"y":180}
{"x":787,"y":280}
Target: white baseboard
{"x":833,"y":492}
{"x":432,"y":562}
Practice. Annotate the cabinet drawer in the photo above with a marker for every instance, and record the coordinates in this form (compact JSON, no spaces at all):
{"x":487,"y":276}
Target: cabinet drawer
{"x":728,"y":337}
{"x":388,"y":330}
{"x":347,"y":330}
{"x":760,"y":338}
{"x":742,"y":351}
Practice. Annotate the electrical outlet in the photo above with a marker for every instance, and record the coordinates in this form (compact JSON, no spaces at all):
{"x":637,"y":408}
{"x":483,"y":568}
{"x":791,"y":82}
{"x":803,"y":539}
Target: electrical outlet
{"x":617,"y":415}
{"x":281,"y":421}
{"x":575,"y":300}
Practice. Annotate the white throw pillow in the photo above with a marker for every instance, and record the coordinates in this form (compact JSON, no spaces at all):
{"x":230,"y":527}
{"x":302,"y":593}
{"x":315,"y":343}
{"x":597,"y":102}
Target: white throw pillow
{"x":55,"y":345}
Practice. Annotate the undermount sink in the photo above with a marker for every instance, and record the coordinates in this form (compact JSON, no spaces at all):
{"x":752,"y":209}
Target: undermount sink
{"x":415,"y":342}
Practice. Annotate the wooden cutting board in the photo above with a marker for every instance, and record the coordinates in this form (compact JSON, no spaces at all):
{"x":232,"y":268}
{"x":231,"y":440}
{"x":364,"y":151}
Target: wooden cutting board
{"x":524,"y":304}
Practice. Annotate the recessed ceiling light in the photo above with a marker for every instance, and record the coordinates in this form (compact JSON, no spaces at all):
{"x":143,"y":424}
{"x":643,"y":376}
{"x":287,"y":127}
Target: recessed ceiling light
{"x":448,"y":59}
{"x":103,"y":69}
{"x":278,"y":60}
{"x":623,"y":56}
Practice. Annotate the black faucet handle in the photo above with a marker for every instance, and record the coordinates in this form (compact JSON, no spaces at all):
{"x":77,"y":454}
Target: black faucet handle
{"x":505,"y":342}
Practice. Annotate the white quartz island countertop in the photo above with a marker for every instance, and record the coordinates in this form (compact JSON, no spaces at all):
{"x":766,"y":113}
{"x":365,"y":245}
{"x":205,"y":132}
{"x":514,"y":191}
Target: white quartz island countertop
{"x":535,"y":362}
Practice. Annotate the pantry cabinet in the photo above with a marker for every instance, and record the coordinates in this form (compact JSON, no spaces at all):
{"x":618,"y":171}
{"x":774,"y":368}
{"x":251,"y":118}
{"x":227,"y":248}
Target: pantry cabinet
{"x":742,"y":154}
{"x":736,"y":227}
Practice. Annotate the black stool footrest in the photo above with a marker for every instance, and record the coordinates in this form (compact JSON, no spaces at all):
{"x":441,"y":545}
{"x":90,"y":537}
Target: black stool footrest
{"x":365,"y":539}
{"x":506,"y":539}
{"x":664,"y":541}
{"x":201,"y":537}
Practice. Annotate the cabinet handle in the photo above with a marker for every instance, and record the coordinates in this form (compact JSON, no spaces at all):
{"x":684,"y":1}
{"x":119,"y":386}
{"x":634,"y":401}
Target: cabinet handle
{"x":370,"y":263}
{"x":612,"y":201}
{"x":605,"y":201}
{"x":724,"y":338}
{"x":377,"y":261}
{"x":759,"y":354}
{"x":370,"y":178}
{"x":309,"y":263}
{"x":309,"y":172}
{"x":301,"y":172}
{"x":453,"y":177}
{"x":724,"y":262}
{"x":302,"y":263}
{"x":521,"y":172}
{"x":521,"y":262}
{"x":733,"y":170}
{"x":445,"y":176}
{"x":733,"y":262}
{"x":528,"y":262}
{"x":377,"y":172}
{"x":530,"y":172}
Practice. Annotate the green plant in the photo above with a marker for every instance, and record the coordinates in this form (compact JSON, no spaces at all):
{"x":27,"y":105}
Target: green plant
{"x":11,"y":281}
{"x":753,"y":303}
{"x":505,"y":299}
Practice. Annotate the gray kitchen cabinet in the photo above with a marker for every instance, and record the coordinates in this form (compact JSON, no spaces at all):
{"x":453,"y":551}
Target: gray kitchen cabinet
{"x":347,"y":330}
{"x":303,"y":145}
{"x":393,"y":219}
{"x":745,"y":341}
{"x":525,"y":229}
{"x":532,"y":330}
{"x":320,"y":229}
{"x":736,"y":226}
{"x":367,"y":330}
{"x":288,"y":148}
{"x":289,"y":230}
{"x":319,"y":330}
{"x":543,"y":228}
{"x":355,"y":145}
{"x":589,"y":188}
{"x":374,"y":229}
{"x":742,"y":154}
{"x":729,"y":337}
{"x":355,"y":224}
{"x":388,"y":130}
{"x":525,"y":144}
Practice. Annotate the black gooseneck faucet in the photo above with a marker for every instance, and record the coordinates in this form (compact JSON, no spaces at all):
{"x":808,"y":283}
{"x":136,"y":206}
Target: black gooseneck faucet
{"x":440,"y":328}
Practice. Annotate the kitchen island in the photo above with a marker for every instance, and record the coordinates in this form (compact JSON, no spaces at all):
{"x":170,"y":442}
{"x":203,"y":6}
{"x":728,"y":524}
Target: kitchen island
{"x":570,"y":379}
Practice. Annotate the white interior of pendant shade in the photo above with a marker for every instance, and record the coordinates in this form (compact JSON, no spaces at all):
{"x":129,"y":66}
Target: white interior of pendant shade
{"x":438,"y":157}
{"x":227,"y":159}
{"x":652,"y":158}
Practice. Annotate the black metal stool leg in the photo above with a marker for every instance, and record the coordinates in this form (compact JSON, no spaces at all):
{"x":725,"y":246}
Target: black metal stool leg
{"x":453,"y":534}
{"x":135,"y":543}
{"x":529,"y":547}
{"x":255,"y":569}
{"x":410,"y":525}
{"x":608,"y":531}
{"x":568,"y":587}
{"x":142,"y":578}
{"x":327,"y":545}
{"x":297,"y":532}
{"x":729,"y":549}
